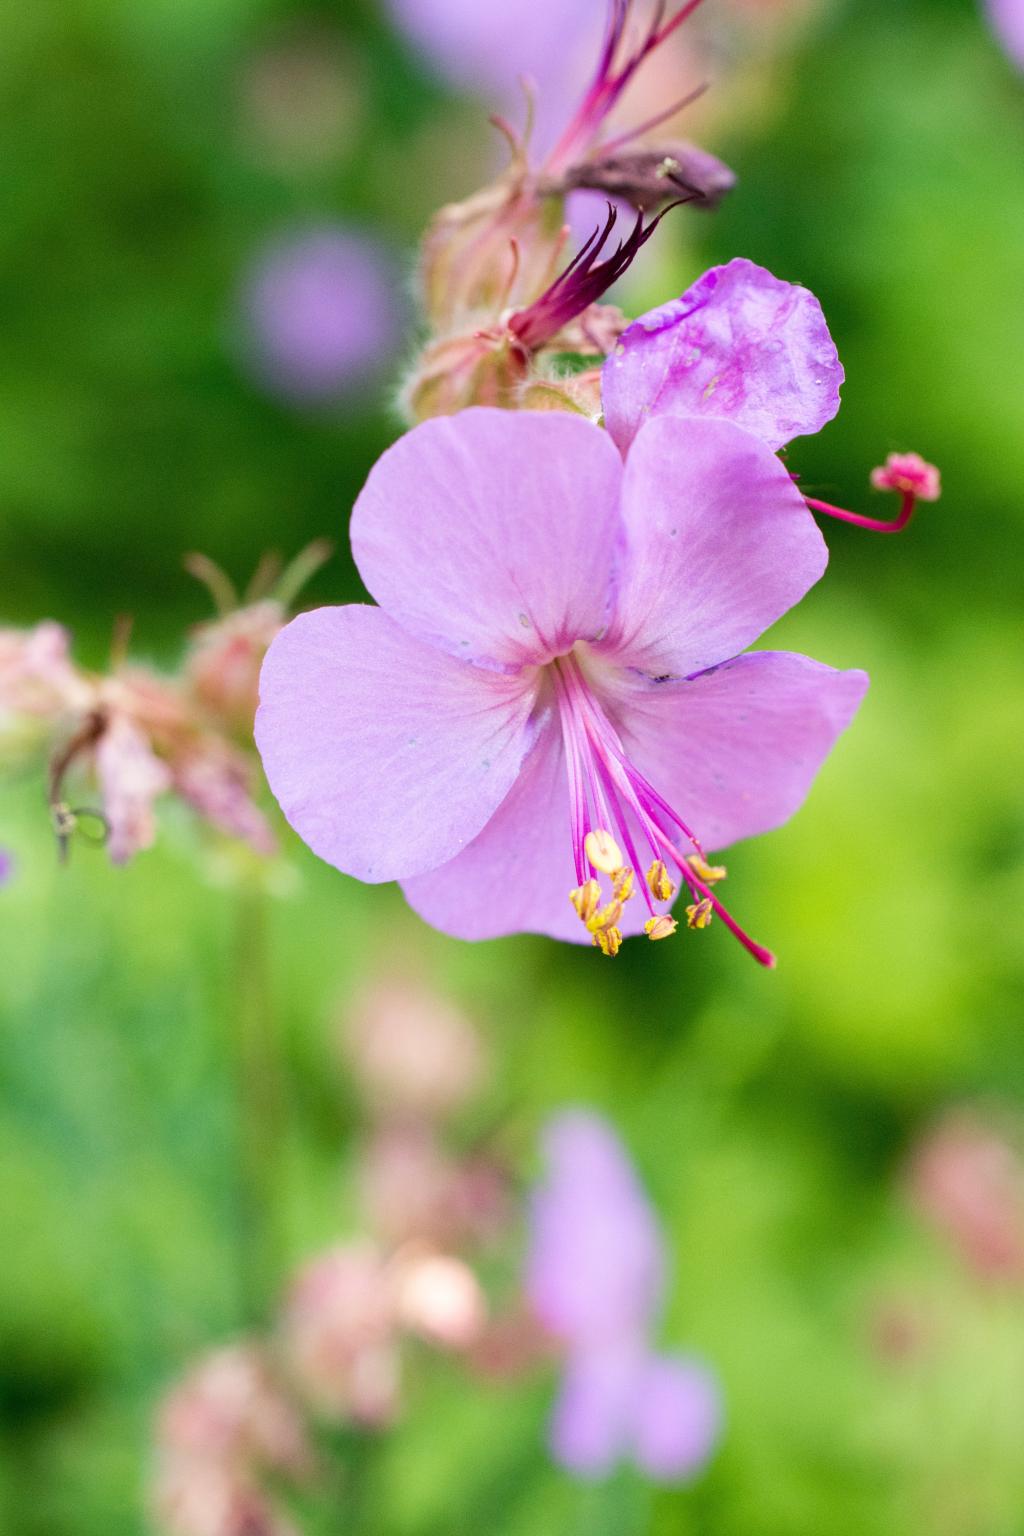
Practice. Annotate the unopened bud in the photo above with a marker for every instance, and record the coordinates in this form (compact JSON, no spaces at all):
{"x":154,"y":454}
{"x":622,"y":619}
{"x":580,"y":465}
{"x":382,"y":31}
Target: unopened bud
{"x":647,"y":177}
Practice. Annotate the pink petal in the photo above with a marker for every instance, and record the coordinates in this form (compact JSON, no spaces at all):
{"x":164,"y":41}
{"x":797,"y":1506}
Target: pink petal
{"x":385,"y":755}
{"x":741,"y":345}
{"x":131,"y":778}
{"x":516,"y":875}
{"x":735,"y":751}
{"x":719,"y":544}
{"x":677,"y":1418}
{"x":491,"y":532}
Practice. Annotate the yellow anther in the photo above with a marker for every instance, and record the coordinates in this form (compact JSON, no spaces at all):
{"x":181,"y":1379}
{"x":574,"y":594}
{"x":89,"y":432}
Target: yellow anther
{"x":699,"y":915}
{"x":586,"y":899}
{"x":623,"y":884}
{"x":603,"y":851}
{"x":608,"y":941}
{"x":606,"y":918}
{"x":709,"y":873}
{"x":662,"y":927}
{"x":658,"y":882}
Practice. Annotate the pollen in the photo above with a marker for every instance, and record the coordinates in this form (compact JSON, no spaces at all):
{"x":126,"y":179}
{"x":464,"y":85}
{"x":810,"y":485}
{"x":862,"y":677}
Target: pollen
{"x":608,"y":940}
{"x":699,"y":914}
{"x":658,"y":882}
{"x":623,"y":883}
{"x":602,"y":851}
{"x":586,"y":899}
{"x":709,"y":873}
{"x":662,"y":927}
{"x":605,"y":918}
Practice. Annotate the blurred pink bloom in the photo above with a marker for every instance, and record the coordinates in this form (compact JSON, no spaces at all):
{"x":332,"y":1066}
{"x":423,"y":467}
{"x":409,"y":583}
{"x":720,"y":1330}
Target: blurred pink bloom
{"x":439,"y":1298}
{"x":1007,"y":20}
{"x":595,"y":1278}
{"x":413,"y":1052}
{"x":192,"y":1497}
{"x":411,"y":1189}
{"x":37,"y":678}
{"x":339,"y":1334}
{"x":131,"y":777}
{"x":322,"y":312}
{"x":8,"y":867}
{"x":230,"y":1408}
{"x":222,"y":667}
{"x":967,"y":1179}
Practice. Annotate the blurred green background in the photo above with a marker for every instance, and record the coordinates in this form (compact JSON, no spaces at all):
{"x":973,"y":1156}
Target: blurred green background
{"x":770,"y":1115}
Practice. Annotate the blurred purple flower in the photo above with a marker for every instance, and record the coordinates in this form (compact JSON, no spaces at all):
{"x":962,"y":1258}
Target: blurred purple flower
{"x":1007,"y":20}
{"x":322,"y":311}
{"x":488,"y":47}
{"x":595,"y":1278}
{"x":7,"y":866}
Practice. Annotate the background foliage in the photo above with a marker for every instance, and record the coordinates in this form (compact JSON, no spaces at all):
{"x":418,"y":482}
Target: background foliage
{"x":771,"y":1115}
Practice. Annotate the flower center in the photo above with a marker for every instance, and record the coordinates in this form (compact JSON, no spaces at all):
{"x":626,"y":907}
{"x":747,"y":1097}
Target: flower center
{"x":609,"y":799}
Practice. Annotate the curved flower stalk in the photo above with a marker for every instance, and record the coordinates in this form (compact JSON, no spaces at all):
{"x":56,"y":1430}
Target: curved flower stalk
{"x":501,"y":301}
{"x":570,"y":726}
{"x":596,"y":1281}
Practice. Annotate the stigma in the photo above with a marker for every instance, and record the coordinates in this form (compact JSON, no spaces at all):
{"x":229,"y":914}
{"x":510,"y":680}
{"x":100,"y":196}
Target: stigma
{"x":606,"y":792}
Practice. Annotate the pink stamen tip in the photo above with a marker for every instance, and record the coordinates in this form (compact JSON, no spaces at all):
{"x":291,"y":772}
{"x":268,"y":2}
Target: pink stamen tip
{"x":909,"y":473}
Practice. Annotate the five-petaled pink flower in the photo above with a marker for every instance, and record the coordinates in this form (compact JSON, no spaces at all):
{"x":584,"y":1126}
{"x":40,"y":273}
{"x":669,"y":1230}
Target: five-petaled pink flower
{"x":546,"y":724}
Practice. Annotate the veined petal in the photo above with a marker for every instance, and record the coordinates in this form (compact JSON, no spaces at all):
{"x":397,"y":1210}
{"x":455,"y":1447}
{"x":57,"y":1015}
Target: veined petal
{"x":736,"y":750}
{"x":491,"y":533}
{"x":385,"y":755}
{"x":719,"y":544}
{"x":740,"y":345}
{"x":516,"y":875}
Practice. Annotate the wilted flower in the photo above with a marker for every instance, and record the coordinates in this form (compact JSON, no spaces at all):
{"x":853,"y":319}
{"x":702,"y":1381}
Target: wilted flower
{"x":967,"y":1179}
{"x":321,"y":309}
{"x":339,"y":1334}
{"x":595,"y":1278}
{"x":558,"y":644}
{"x":497,"y":290}
{"x":413,"y":1052}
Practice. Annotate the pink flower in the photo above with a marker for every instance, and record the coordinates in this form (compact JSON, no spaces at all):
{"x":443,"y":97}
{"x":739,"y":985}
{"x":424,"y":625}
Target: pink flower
{"x":231,"y":1408}
{"x":131,"y":777}
{"x":967,"y":1179}
{"x":413,"y":1053}
{"x":595,"y":1278}
{"x":554,"y":669}
{"x":339,"y":1334}
{"x":38,"y":681}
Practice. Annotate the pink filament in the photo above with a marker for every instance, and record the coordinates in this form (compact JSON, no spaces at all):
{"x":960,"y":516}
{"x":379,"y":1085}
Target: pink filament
{"x":876,"y":524}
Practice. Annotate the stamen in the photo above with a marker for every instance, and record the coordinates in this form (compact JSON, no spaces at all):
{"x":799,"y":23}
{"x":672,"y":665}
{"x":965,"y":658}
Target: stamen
{"x":608,"y":941}
{"x":699,"y":915}
{"x":623,"y":883}
{"x":661,"y":927}
{"x":586,"y":899}
{"x":709,"y":873}
{"x":659,"y":884}
{"x":603,"y":851}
